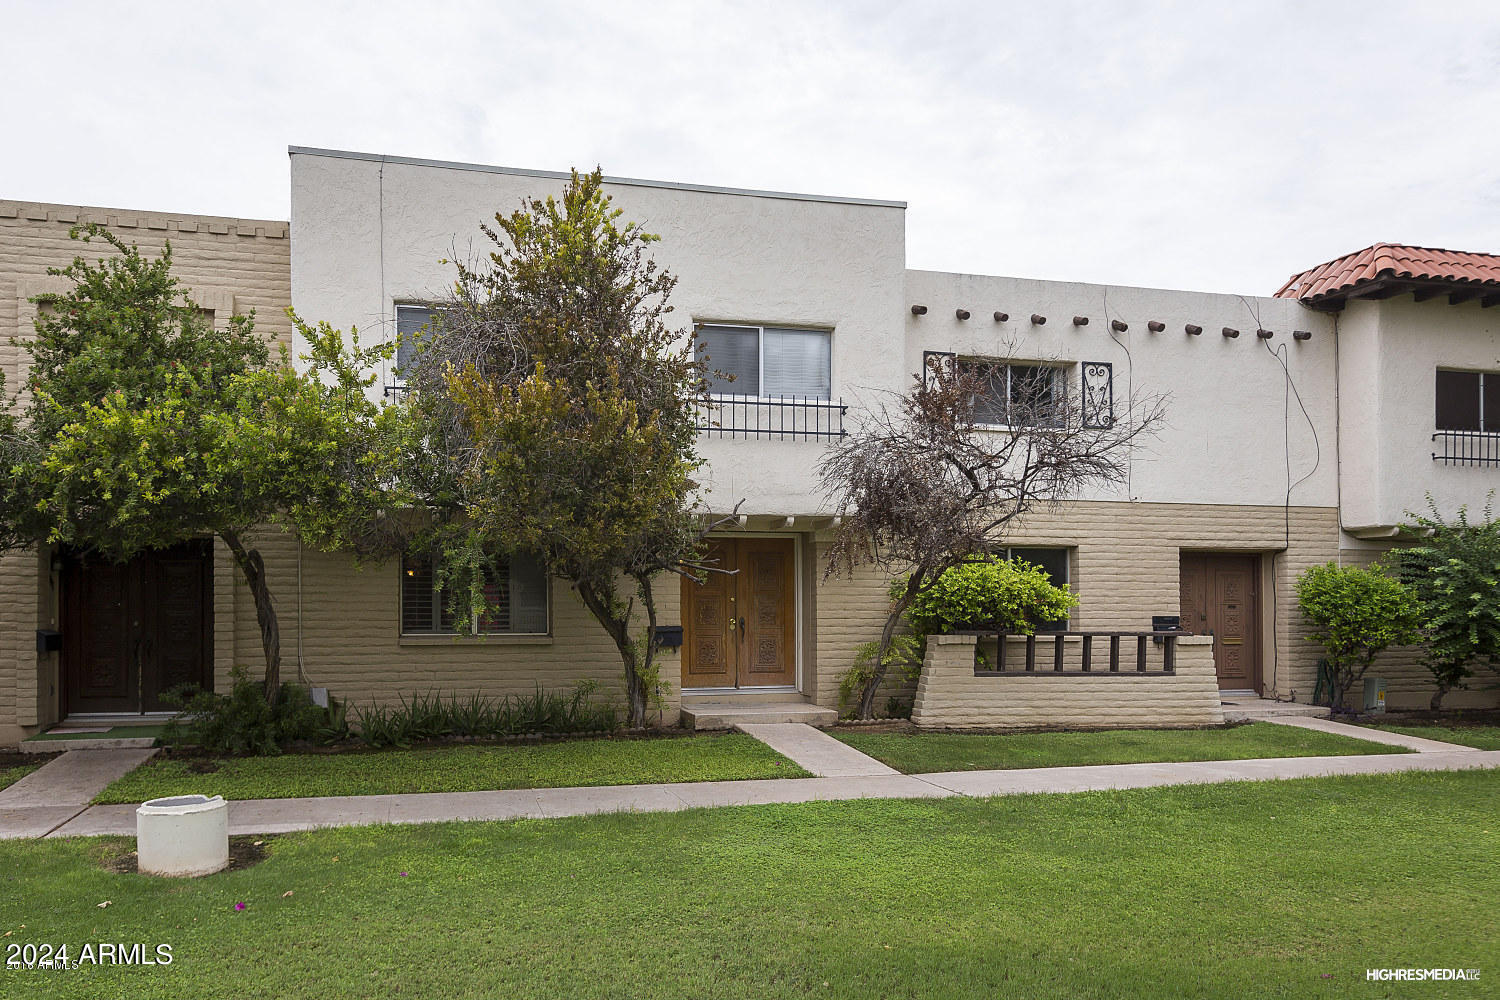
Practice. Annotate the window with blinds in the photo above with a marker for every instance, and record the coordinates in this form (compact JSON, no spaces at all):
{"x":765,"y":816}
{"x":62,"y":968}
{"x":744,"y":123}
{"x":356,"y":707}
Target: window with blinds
{"x":766,"y":362}
{"x":1012,"y":395}
{"x":515,"y":599}
{"x":412,"y":323}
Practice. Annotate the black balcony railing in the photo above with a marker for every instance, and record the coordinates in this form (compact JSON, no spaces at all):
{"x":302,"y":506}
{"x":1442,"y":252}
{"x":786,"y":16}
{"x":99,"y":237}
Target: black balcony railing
{"x":784,"y":418}
{"x":1466,"y":448}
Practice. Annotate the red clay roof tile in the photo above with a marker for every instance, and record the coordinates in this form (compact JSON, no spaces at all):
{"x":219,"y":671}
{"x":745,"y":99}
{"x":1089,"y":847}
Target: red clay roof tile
{"x":1389,"y":260}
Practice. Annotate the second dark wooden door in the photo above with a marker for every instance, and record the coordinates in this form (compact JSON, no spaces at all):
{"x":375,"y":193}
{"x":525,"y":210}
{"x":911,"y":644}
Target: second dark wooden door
{"x":134,"y":630}
{"x":739,"y":628}
{"x":1219,"y":597}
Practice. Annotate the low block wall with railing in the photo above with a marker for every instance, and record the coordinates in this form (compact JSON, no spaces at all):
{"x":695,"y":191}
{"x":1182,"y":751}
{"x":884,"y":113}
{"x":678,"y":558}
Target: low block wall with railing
{"x":1075,"y":680}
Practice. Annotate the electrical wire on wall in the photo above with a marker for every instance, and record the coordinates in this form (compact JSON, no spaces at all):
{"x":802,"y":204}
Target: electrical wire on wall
{"x":1109,"y":317}
{"x":1289,"y":391}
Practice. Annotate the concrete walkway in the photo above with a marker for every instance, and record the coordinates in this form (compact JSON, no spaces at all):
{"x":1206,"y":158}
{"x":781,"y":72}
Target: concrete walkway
{"x":61,"y":789}
{"x":814,"y":750}
{"x":1416,"y":743}
{"x":285,"y":815}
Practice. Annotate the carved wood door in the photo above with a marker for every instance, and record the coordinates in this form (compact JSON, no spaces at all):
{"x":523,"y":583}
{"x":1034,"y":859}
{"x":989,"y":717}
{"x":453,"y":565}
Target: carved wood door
{"x":1218,"y":597}
{"x":739,"y":628}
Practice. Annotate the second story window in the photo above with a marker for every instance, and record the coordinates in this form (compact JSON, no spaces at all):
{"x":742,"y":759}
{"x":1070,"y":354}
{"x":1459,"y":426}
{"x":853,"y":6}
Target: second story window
{"x":766,"y":362}
{"x":412,"y":323}
{"x":1468,"y":401}
{"x":1013,"y":395}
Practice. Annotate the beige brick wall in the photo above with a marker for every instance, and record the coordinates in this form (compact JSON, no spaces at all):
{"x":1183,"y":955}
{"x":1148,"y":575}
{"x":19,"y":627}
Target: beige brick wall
{"x":1125,"y":568}
{"x":349,"y":625}
{"x":950,"y":696}
{"x":227,"y":265}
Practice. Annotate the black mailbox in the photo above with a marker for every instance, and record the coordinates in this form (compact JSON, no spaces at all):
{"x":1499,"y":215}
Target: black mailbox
{"x":48,"y":640}
{"x":667,"y":636}
{"x":1165,"y":623}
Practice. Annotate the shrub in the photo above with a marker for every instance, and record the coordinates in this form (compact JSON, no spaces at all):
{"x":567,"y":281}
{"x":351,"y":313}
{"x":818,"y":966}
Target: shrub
{"x":1454,"y":571}
{"x":430,"y":716}
{"x":1003,"y":595}
{"x":1356,"y":613}
{"x":242,"y":722}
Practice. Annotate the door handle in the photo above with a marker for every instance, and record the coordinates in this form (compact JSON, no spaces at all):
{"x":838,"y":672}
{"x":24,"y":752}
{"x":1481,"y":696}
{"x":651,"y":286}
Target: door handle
{"x":733,"y":624}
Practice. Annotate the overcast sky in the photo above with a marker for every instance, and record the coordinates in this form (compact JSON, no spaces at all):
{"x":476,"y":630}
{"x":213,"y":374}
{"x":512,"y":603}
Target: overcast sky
{"x":1215,"y":146}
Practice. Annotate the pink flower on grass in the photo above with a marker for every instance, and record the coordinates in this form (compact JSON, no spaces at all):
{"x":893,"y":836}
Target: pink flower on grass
{"x":403,"y":874}
{"x":238,"y":907}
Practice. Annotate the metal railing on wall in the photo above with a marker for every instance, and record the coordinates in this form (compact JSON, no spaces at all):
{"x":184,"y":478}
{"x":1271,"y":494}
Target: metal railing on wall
{"x":784,"y":418}
{"x":1466,"y":447}
{"x":1112,"y":659}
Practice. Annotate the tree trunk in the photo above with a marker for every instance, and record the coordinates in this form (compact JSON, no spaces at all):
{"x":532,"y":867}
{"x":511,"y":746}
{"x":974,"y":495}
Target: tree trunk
{"x":606,"y":610}
{"x":254,"y":570}
{"x":1436,"y":704}
{"x":866,"y":709}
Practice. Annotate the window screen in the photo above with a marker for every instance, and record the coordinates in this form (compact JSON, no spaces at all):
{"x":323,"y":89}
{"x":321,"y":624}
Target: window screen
{"x":797,"y":363}
{"x":732,"y":351}
{"x":411,"y":330}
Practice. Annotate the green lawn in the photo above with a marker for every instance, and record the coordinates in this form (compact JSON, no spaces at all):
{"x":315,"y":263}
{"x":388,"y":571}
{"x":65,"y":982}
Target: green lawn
{"x":1276,"y":889}
{"x":11,"y":774}
{"x":1483,"y":737}
{"x":464,"y":768}
{"x":925,"y":753}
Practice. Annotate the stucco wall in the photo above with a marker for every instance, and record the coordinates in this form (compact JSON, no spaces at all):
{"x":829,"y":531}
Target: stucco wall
{"x":367,"y":234}
{"x":951,"y":696}
{"x":1390,"y":352}
{"x":1228,"y":434}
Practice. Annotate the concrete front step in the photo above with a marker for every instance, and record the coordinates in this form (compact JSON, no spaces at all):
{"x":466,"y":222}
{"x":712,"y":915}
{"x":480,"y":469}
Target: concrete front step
{"x":727,"y":714}
{"x":1249,"y":708}
{"x":89,"y":743}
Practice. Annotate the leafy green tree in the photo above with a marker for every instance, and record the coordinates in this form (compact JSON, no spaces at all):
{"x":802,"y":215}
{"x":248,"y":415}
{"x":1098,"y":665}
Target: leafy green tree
{"x":1356,"y":613}
{"x":558,"y":413}
{"x":146,"y":426}
{"x":1454,"y":570}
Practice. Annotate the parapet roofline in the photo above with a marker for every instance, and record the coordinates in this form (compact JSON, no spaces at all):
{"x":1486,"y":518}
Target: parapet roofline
{"x":561,"y":175}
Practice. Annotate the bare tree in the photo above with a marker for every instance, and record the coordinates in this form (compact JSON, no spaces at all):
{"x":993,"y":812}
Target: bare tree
{"x":936,"y":479}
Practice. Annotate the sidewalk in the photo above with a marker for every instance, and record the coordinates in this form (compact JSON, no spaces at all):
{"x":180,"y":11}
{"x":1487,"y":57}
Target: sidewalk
{"x":285,"y":815}
{"x":61,"y":789}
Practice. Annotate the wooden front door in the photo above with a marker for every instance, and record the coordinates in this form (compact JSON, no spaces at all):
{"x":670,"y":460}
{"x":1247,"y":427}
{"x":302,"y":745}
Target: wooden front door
{"x":739,"y":628}
{"x":134,"y":630}
{"x":1219,"y":598}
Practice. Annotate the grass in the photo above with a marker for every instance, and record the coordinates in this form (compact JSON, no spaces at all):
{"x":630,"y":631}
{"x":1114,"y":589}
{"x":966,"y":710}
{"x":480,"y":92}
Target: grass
{"x":924,"y":753}
{"x":461,"y":768}
{"x":114,"y":733}
{"x":1275,"y":889}
{"x":13,"y":773}
{"x":1483,"y":737}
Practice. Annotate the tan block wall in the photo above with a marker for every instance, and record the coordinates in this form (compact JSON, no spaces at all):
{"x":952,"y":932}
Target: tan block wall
{"x":227,"y":265}
{"x":1125,"y":568}
{"x":950,"y":696}
{"x":349,"y":625}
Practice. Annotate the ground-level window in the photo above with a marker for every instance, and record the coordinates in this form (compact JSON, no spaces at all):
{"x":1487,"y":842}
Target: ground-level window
{"x":1468,"y":401}
{"x":1017,"y":395}
{"x":516,"y":595}
{"x":766,"y":362}
{"x":1053,"y":562}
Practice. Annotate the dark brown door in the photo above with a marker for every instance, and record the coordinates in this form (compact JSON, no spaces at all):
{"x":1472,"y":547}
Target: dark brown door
{"x":1219,"y":598}
{"x":132,"y":631}
{"x":739,"y":628}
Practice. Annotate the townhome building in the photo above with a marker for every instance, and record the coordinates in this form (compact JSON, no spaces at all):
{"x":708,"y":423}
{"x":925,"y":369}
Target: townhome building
{"x":1300,"y":428}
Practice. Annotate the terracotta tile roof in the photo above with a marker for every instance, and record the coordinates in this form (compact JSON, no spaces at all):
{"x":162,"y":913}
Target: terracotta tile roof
{"x":1388,"y":260}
